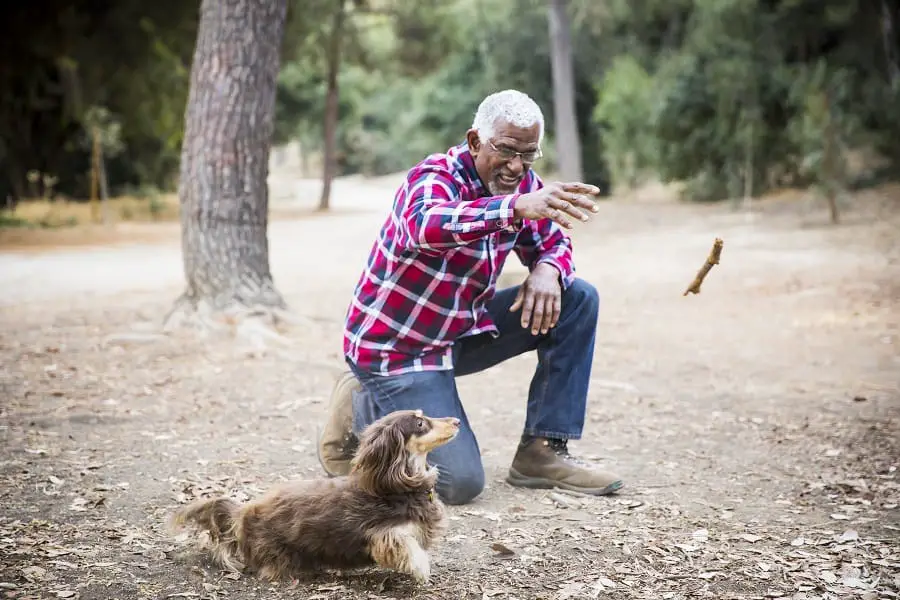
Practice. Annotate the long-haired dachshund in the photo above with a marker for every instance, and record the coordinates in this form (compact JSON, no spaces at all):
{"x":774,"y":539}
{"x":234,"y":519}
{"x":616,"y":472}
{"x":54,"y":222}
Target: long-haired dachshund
{"x":385,"y":512}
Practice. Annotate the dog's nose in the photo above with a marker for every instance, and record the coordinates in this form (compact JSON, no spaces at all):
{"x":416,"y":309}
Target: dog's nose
{"x":455,"y":421}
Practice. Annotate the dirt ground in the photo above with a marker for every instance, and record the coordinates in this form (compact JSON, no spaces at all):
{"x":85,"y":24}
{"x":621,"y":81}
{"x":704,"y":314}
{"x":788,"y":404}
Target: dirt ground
{"x":757,"y":424}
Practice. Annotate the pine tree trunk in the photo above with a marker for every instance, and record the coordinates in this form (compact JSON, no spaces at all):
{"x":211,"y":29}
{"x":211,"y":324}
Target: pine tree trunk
{"x":223,"y":185}
{"x":568,"y":143}
{"x":331,"y":106}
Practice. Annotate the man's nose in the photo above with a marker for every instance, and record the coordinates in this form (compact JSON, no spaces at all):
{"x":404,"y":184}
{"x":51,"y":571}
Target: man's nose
{"x":516,"y":164}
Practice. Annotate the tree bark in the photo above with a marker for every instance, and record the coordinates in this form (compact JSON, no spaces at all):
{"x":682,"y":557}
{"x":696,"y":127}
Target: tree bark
{"x":331,"y":106}
{"x":568,"y":143}
{"x":223,"y":186}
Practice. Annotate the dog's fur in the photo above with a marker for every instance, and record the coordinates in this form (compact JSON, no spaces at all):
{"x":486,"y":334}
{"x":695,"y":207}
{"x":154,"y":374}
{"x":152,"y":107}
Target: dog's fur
{"x":385,"y":512}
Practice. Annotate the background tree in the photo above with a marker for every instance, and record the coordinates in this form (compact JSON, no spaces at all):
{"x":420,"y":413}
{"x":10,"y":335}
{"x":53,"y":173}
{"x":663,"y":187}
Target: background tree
{"x":224,"y":160}
{"x":568,"y":143}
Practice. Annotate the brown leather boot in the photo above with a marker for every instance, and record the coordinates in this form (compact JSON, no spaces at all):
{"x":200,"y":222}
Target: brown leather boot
{"x":545,"y":463}
{"x":337,"y":442}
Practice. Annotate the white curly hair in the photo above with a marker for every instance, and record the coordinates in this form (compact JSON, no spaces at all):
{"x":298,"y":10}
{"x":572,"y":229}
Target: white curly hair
{"x":510,"y":106}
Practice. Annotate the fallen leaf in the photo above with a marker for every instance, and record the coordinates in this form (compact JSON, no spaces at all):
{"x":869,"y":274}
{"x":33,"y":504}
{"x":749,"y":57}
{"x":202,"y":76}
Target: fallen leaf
{"x":701,"y":535}
{"x":828,"y":577}
{"x":569,"y":590}
{"x":854,"y":582}
{"x":839,"y":516}
{"x":600,"y":585}
{"x":749,"y":537}
{"x":155,"y":554}
{"x":849,"y":536}
{"x":501,"y":550}
{"x":65,"y":594}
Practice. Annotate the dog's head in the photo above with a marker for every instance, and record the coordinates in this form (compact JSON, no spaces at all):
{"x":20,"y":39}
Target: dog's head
{"x":391,"y":457}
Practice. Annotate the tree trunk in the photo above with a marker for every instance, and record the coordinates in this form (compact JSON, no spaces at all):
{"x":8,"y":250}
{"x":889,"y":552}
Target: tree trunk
{"x":830,"y":159}
{"x":890,"y":45}
{"x":568,"y":144}
{"x":223,"y":186}
{"x":331,"y":106}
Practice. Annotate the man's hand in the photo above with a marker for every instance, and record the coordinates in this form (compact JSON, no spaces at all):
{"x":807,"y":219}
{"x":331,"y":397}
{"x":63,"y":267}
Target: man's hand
{"x":540,"y":298}
{"x":558,"y":202}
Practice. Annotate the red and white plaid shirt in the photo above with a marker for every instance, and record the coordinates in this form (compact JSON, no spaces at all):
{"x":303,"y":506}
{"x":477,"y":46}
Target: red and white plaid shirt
{"x":435,"y":264}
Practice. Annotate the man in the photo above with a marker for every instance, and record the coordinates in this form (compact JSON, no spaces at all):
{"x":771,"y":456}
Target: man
{"x":425,"y":310}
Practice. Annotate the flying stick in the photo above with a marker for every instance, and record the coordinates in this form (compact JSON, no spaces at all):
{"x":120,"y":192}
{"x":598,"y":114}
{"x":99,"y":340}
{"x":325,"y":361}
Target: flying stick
{"x":712,"y":259}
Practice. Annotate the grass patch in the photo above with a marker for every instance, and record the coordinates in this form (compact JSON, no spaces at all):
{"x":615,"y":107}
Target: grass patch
{"x":61,"y":213}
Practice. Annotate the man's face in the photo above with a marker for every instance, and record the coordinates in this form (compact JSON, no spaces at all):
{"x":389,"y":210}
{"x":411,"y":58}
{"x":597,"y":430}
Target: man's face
{"x":497,"y":165}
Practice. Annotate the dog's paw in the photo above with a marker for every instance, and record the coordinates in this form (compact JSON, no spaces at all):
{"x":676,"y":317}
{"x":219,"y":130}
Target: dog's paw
{"x":420,"y":567}
{"x":421,"y":576}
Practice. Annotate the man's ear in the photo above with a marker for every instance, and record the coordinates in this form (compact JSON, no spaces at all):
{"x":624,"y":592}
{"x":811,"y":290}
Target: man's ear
{"x":474,"y":142}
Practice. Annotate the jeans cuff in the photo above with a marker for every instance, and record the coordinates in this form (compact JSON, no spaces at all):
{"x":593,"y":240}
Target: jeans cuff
{"x":556,"y":435}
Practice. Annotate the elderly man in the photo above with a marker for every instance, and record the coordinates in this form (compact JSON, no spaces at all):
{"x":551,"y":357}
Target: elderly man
{"x":425,"y":309}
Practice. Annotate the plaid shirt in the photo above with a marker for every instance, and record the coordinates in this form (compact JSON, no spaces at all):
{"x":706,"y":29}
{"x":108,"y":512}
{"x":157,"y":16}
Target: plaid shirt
{"x":435,"y":264}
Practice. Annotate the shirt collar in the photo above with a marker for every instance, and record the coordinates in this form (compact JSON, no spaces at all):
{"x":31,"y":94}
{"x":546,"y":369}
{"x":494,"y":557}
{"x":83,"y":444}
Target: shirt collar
{"x":466,"y":163}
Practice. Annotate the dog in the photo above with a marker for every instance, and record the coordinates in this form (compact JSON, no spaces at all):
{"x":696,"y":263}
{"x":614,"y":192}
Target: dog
{"x":385,"y":512}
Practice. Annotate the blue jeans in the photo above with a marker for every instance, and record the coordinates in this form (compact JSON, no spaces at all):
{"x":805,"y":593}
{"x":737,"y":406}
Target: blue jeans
{"x":557,"y":397}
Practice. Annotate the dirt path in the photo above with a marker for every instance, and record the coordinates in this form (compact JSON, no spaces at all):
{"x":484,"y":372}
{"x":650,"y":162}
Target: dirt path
{"x":756,"y":424}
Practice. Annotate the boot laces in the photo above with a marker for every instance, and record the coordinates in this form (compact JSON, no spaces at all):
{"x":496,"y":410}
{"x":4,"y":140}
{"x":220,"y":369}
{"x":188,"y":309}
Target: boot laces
{"x":561,"y":448}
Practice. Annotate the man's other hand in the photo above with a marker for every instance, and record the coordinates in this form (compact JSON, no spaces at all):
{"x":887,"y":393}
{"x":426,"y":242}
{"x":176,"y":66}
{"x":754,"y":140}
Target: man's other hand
{"x":559,"y":202}
{"x":540,"y":298}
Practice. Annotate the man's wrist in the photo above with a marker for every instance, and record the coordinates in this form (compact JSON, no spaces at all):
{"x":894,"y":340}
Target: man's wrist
{"x":550,"y":268}
{"x":517,"y":206}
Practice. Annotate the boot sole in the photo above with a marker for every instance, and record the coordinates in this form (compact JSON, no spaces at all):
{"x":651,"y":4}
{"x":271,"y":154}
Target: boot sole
{"x":335,"y":468}
{"x":516,"y":479}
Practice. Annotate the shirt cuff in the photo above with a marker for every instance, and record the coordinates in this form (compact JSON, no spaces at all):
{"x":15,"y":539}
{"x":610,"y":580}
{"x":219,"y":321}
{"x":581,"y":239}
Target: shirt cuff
{"x":506,"y":213}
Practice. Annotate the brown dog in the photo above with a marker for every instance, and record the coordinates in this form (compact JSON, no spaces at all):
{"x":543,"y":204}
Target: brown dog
{"x":385,"y":512}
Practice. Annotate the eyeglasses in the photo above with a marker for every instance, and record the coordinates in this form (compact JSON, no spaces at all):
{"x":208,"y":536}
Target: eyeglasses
{"x":509,"y":154}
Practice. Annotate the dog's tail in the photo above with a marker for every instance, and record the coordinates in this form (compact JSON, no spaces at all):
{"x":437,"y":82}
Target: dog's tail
{"x":219,"y":518}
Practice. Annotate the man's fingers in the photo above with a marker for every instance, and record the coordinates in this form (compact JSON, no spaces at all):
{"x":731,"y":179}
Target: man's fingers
{"x":557,"y":309}
{"x":555,"y":214}
{"x":537,"y":320}
{"x":547,"y":322}
{"x":570,"y":206}
{"x":527,"y":307}
{"x":517,"y":303}
{"x":577,"y":187}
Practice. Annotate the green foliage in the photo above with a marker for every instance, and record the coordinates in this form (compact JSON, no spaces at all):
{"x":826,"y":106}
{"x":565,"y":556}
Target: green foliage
{"x":728,"y":96}
{"x":739,"y":90}
{"x":121,"y":65}
{"x":625,"y":105}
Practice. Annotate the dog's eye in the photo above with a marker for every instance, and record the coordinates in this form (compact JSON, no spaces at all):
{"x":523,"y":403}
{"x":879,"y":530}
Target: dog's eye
{"x":420,"y":423}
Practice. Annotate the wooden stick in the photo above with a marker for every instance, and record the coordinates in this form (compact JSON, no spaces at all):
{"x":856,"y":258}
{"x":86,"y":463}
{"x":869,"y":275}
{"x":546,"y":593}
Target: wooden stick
{"x":712,"y":259}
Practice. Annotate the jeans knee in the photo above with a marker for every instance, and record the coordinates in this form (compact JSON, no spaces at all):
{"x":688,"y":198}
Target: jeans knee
{"x":585,"y":297}
{"x":462,"y":488}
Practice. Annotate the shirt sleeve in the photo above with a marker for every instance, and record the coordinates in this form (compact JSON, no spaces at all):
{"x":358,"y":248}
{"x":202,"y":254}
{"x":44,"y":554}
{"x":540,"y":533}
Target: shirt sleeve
{"x":430,"y":217}
{"x":544,"y":241}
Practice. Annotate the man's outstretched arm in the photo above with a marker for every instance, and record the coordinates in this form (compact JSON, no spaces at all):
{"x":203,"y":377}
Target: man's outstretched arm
{"x":430,"y":215}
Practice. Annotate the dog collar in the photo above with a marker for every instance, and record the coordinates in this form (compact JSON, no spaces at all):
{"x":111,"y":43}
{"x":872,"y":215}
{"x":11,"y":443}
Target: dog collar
{"x":431,"y":495}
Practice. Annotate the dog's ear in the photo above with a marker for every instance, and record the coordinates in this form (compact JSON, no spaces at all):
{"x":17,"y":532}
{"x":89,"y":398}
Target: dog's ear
{"x":380,"y":464}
